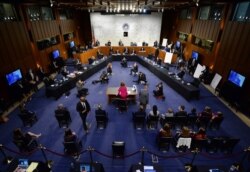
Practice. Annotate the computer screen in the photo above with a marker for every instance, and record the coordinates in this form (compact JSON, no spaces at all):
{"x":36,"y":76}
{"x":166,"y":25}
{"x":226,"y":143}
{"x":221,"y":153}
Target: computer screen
{"x":71,"y":44}
{"x":23,"y":163}
{"x":178,"y":44}
{"x":55,"y":54}
{"x":195,"y":55}
{"x":14,"y":76}
{"x":236,"y":78}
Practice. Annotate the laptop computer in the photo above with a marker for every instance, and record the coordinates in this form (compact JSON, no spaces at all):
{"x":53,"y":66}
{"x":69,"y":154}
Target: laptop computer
{"x":23,"y":163}
{"x":86,"y":168}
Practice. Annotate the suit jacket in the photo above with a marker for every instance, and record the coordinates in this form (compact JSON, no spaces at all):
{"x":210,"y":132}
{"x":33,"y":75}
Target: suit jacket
{"x":181,"y":113}
{"x":80,"y":108}
{"x":63,"y":111}
{"x":100,"y":112}
{"x":143,"y":96}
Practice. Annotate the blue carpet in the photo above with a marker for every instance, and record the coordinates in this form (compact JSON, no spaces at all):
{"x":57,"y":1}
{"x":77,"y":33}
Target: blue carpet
{"x":120,"y":127}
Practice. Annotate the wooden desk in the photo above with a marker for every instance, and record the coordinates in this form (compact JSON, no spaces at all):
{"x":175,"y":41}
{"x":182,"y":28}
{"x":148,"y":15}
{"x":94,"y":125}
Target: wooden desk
{"x":112,"y":93}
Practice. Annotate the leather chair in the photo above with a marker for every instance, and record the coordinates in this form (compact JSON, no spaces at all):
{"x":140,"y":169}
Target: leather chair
{"x":72,"y":148}
{"x":122,"y":105}
{"x":216,"y":123}
{"x":118,"y":148}
{"x":152,"y":122}
{"x":139,"y":119}
{"x":28,"y":119}
{"x":63,"y":119}
{"x":164,"y":143}
{"x":198,"y":144}
{"x":228,"y":144}
{"x":101,"y":119}
{"x":26,"y":147}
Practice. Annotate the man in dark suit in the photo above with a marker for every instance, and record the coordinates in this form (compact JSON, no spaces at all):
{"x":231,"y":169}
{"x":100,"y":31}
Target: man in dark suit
{"x":62,"y":110}
{"x":83,"y":108}
{"x":181,"y":112}
{"x":100,"y":111}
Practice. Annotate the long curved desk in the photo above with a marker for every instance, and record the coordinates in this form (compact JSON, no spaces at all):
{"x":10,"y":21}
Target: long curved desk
{"x":186,"y":90}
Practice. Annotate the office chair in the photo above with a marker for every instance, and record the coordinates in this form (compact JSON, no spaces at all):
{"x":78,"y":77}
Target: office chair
{"x":118,"y":148}
{"x":198,"y":144}
{"x":216,"y":123}
{"x":26,"y":147}
{"x":228,"y":144}
{"x":101,"y":119}
{"x":164,"y":143}
{"x":152,"y":122}
{"x":72,"y":148}
{"x":28,"y":119}
{"x":122,"y":105}
{"x":139,"y":119}
{"x":63,"y":119}
{"x":213,"y":144}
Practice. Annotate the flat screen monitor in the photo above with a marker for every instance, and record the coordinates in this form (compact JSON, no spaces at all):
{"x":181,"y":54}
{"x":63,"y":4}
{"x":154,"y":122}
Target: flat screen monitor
{"x":195,"y":55}
{"x":236,"y":78}
{"x":71,"y":44}
{"x":14,"y":76}
{"x":55,"y":54}
{"x":178,"y":44}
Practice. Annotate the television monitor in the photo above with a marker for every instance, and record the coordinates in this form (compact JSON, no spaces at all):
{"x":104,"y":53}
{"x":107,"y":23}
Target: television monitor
{"x":195,"y":55}
{"x":14,"y":76}
{"x":55,"y":54}
{"x":178,"y":44}
{"x":71,"y":44}
{"x":236,"y":78}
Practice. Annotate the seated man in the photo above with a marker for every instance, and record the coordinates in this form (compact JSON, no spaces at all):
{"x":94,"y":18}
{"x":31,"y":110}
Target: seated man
{"x":125,"y":51}
{"x":141,"y":78}
{"x":64,"y":71}
{"x":158,"y":61}
{"x":109,"y":43}
{"x":32,"y":80}
{"x":80,"y":88}
{"x":74,"y":144}
{"x":61,"y":110}
{"x":181,"y":73}
{"x":97,"y":43}
{"x":159,"y":90}
{"x":99,"y":55}
{"x":181,"y":112}
{"x":111,"y":51}
{"x":100,"y":111}
{"x":103,"y":78}
{"x":133,"y":52}
{"x":91,"y":60}
{"x":156,"y":44}
{"x":120,"y":43}
{"x":134,"y":69}
{"x":141,"y":112}
{"x":124,"y":62}
{"x":25,"y":141}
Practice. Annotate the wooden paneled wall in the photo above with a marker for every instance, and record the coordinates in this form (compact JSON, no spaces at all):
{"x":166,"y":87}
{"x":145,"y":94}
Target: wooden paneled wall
{"x":185,"y":26}
{"x":234,"y":51}
{"x":206,"y":29}
{"x":67,"y":26}
{"x":44,"y":29}
{"x":15,"y":50}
